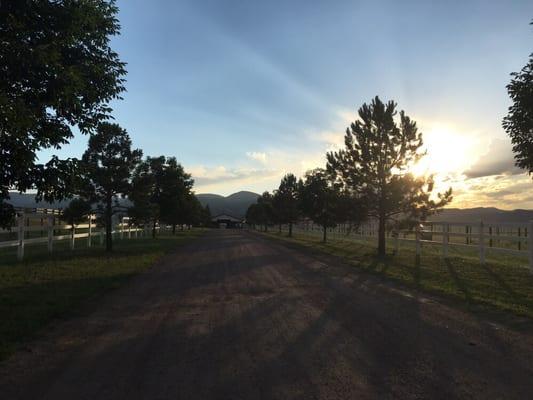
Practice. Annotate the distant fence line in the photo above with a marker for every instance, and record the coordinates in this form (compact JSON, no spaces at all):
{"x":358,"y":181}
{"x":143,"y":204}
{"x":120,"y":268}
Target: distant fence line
{"x":505,"y":238}
{"x":39,"y":226}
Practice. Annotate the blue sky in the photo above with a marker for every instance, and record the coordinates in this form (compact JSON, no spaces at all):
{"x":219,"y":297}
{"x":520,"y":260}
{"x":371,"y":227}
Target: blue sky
{"x":242,"y":92}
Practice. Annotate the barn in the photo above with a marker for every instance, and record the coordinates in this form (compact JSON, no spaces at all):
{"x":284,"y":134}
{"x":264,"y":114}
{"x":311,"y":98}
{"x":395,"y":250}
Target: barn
{"x":227,"y":221}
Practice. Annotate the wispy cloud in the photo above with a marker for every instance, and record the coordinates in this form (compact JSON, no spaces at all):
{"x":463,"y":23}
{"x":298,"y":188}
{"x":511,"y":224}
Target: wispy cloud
{"x":498,"y":160}
{"x":257,"y":156}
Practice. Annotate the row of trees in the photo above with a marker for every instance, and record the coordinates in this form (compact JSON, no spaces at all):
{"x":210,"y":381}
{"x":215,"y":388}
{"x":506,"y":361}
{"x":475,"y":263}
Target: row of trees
{"x":316,"y":197}
{"x":59,"y":75}
{"x":157,"y":189}
{"x":368,"y":179}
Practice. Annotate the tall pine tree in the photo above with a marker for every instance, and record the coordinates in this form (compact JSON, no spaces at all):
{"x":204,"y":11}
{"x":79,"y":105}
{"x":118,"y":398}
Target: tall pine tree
{"x":378,"y":150}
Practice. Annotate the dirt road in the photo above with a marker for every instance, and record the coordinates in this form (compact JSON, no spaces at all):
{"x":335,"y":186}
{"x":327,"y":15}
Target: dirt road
{"x":236,"y":316}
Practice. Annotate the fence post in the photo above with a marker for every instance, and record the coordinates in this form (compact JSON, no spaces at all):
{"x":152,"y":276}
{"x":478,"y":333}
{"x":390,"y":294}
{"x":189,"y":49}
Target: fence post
{"x":20,"y":234}
{"x":50,"y":227}
{"x":418,"y":247}
{"x":445,"y":238}
{"x":481,"y":243}
{"x":89,"y":238}
{"x":72,"y":237}
{"x":129,"y":229}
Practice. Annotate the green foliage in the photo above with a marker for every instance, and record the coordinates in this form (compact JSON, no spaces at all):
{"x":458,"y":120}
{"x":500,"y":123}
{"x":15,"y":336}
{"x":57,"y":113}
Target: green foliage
{"x":285,"y":201}
{"x":162,"y":192}
{"x":58,"y":72}
{"x":144,"y":192}
{"x":262,"y":212}
{"x":106,"y":169}
{"x":206,"y":216}
{"x":519,"y":121}
{"x":77,"y":212}
{"x":179,"y":205}
{"x":373,"y":166}
{"x":320,"y":199}
{"x":193,"y":211}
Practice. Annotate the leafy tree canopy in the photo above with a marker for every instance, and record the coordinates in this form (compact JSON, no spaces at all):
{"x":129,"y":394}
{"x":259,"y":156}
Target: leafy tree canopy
{"x":77,"y":211}
{"x":320,"y":199}
{"x":519,"y":121}
{"x":162,"y":191}
{"x":285,"y":201}
{"x":58,"y":74}
{"x":106,"y":168}
{"x":261,"y":212}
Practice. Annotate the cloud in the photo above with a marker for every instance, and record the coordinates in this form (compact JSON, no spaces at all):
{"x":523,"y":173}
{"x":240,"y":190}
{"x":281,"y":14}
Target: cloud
{"x":497,"y":161}
{"x":501,"y":191}
{"x":219,"y":175}
{"x":257,"y":156}
{"x":334,"y":138}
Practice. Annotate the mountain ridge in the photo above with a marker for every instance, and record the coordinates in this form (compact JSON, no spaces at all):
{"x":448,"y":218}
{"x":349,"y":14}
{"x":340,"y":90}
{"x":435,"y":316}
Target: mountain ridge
{"x":237,"y":203}
{"x":234,"y":204}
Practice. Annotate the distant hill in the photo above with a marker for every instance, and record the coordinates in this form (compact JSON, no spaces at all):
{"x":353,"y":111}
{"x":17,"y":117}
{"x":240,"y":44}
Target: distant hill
{"x":27,"y":200}
{"x":235,"y":204}
{"x":488,"y":215}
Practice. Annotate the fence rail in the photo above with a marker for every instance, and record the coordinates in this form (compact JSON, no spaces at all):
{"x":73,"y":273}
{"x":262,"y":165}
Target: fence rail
{"x":39,"y":226}
{"x":502,"y":238}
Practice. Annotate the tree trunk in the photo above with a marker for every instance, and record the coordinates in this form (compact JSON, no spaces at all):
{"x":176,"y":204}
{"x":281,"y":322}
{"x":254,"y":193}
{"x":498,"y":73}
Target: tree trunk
{"x":279,"y":228}
{"x":381,"y":235}
{"x":290,"y":229}
{"x":324,"y":233}
{"x":108,"y":224}
{"x":154,"y":226}
{"x":173,"y":229}
{"x":266,"y":228}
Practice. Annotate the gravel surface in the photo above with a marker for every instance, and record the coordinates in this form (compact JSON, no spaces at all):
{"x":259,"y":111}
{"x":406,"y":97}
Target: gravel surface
{"x":233,"y":315}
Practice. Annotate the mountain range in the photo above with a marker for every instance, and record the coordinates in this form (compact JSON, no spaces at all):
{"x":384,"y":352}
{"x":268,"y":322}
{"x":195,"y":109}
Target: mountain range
{"x":236,"y":205}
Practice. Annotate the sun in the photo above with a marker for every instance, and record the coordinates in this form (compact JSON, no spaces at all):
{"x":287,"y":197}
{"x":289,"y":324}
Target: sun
{"x":447,"y":150}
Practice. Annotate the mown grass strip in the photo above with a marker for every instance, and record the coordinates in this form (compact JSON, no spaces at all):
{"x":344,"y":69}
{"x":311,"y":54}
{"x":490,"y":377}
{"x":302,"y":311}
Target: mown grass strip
{"x":45,"y":287}
{"x":500,"y":285}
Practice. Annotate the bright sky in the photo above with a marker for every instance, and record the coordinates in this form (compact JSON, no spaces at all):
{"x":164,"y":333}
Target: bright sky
{"x":242,"y":92}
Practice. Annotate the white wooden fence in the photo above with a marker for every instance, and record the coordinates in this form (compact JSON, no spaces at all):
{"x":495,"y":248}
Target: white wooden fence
{"x":502,"y":238}
{"x":509,"y":238}
{"x":45,"y":226}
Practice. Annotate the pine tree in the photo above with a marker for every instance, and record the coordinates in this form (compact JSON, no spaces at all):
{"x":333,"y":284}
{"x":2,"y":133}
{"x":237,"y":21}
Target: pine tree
{"x":374,"y":166}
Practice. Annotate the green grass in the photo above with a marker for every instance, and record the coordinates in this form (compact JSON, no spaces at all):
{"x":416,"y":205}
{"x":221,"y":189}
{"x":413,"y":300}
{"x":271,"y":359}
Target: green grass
{"x":503,"y":284}
{"x":45,"y":287}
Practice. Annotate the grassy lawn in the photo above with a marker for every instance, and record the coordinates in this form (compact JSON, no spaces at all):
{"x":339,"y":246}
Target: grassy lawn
{"x":44,"y":287}
{"x":503,"y":284}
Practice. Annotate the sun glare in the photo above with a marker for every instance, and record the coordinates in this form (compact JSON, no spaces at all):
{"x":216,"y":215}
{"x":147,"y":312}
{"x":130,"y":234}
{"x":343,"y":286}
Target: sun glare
{"x":447,"y":152}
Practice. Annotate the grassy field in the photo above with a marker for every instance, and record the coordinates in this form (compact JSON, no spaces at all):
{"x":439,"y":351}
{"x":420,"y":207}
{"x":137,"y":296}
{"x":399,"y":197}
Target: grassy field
{"x":45,"y":287}
{"x":502,"y":284}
